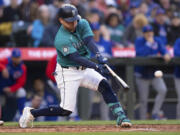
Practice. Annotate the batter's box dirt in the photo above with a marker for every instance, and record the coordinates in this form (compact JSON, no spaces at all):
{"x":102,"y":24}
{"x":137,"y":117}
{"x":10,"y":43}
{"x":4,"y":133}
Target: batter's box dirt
{"x":91,"y":128}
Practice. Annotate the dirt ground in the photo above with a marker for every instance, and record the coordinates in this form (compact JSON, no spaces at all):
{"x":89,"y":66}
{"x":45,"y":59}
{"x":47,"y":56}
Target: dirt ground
{"x":91,"y":128}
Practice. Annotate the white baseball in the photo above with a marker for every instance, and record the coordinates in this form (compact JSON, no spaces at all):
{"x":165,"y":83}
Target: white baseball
{"x":158,"y":73}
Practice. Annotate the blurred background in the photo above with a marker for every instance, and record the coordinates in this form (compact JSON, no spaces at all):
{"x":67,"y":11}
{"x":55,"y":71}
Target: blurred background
{"x":31,"y":26}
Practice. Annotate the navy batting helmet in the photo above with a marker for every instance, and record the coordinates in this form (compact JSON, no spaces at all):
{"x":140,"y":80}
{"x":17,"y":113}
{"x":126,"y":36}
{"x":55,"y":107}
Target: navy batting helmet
{"x":69,"y":13}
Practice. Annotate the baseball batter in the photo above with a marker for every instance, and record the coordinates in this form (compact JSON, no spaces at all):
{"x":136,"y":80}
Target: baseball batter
{"x":73,"y":43}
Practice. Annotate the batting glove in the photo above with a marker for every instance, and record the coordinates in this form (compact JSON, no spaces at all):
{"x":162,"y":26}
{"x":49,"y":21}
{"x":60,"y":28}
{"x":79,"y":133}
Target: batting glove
{"x":102,"y":70}
{"x":101,"y":59}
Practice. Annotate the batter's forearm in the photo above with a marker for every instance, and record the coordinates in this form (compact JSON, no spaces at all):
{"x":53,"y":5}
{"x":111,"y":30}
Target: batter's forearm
{"x":89,"y":42}
{"x":82,"y":61}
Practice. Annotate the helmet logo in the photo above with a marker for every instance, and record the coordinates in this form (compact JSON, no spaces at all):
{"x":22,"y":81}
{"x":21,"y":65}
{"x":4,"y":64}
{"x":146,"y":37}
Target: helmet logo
{"x":73,"y":12}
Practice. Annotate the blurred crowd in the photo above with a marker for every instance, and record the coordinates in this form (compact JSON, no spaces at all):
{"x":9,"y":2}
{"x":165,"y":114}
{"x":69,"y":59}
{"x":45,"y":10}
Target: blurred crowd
{"x":34,"y":23}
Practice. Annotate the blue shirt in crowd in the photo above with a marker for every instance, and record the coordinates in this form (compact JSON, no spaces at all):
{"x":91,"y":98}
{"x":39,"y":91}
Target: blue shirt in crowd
{"x":14,"y":74}
{"x":37,"y":32}
{"x":146,"y":49}
{"x":105,"y":47}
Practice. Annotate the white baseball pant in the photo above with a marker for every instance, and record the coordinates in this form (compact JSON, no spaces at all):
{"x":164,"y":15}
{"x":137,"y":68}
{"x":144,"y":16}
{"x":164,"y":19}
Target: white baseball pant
{"x":70,"y":79}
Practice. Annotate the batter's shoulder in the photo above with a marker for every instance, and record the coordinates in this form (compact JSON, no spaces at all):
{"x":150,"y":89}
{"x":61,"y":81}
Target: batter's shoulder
{"x":61,"y":36}
{"x":83,"y":22}
{"x":61,"y":40}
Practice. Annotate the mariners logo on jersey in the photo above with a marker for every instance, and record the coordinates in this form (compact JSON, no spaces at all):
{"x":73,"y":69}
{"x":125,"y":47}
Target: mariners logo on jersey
{"x":65,"y":49}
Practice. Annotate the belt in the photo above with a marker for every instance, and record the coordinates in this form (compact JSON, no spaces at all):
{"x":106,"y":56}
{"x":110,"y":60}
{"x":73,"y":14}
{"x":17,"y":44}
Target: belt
{"x":77,"y":68}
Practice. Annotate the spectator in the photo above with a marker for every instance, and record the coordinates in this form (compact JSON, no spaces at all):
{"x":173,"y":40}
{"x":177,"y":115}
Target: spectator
{"x":176,"y":4}
{"x":19,"y":28}
{"x":41,"y":2}
{"x":4,"y":31}
{"x":93,"y":8}
{"x":80,"y":6}
{"x":134,"y":30}
{"x":13,"y":77}
{"x":134,"y":10}
{"x":50,"y":68}
{"x":160,"y":26}
{"x":165,"y":4}
{"x":50,"y":33}
{"x":177,"y":77}
{"x":93,"y":17}
{"x":174,"y":30}
{"x":123,"y":5}
{"x":1,"y":3}
{"x":33,"y":11}
{"x":37,"y":102}
{"x":115,"y":28}
{"x":11,"y":13}
{"x":1,"y":13}
{"x":112,"y":9}
{"x":151,"y":5}
{"x":104,"y":46}
{"x":153,"y":12}
{"x":38,"y":26}
{"x":8,"y":15}
{"x":53,"y":8}
{"x":48,"y":97}
{"x":143,"y":9}
{"x":8,"y":2}
{"x":26,"y":10}
{"x":148,"y":46}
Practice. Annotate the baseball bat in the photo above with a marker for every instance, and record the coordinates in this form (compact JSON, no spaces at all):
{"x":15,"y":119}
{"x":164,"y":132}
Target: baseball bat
{"x":121,"y":81}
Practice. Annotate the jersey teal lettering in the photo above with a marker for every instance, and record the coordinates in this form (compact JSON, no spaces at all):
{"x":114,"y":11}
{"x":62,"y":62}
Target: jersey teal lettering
{"x":67,"y":43}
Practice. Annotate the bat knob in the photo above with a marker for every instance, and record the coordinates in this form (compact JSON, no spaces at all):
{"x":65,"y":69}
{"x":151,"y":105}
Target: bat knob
{"x":127,"y":88}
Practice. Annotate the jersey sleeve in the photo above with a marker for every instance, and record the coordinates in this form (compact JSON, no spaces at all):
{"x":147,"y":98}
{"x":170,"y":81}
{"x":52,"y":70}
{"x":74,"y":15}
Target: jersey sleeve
{"x":85,"y":28}
{"x":50,"y":68}
{"x":161,"y":47}
{"x":140,"y":48}
{"x":3,"y":63}
{"x":20,"y":81}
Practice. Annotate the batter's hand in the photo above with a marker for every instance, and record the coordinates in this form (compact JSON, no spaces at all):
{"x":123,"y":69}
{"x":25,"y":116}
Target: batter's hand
{"x":102,"y":70}
{"x":101,"y":59}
